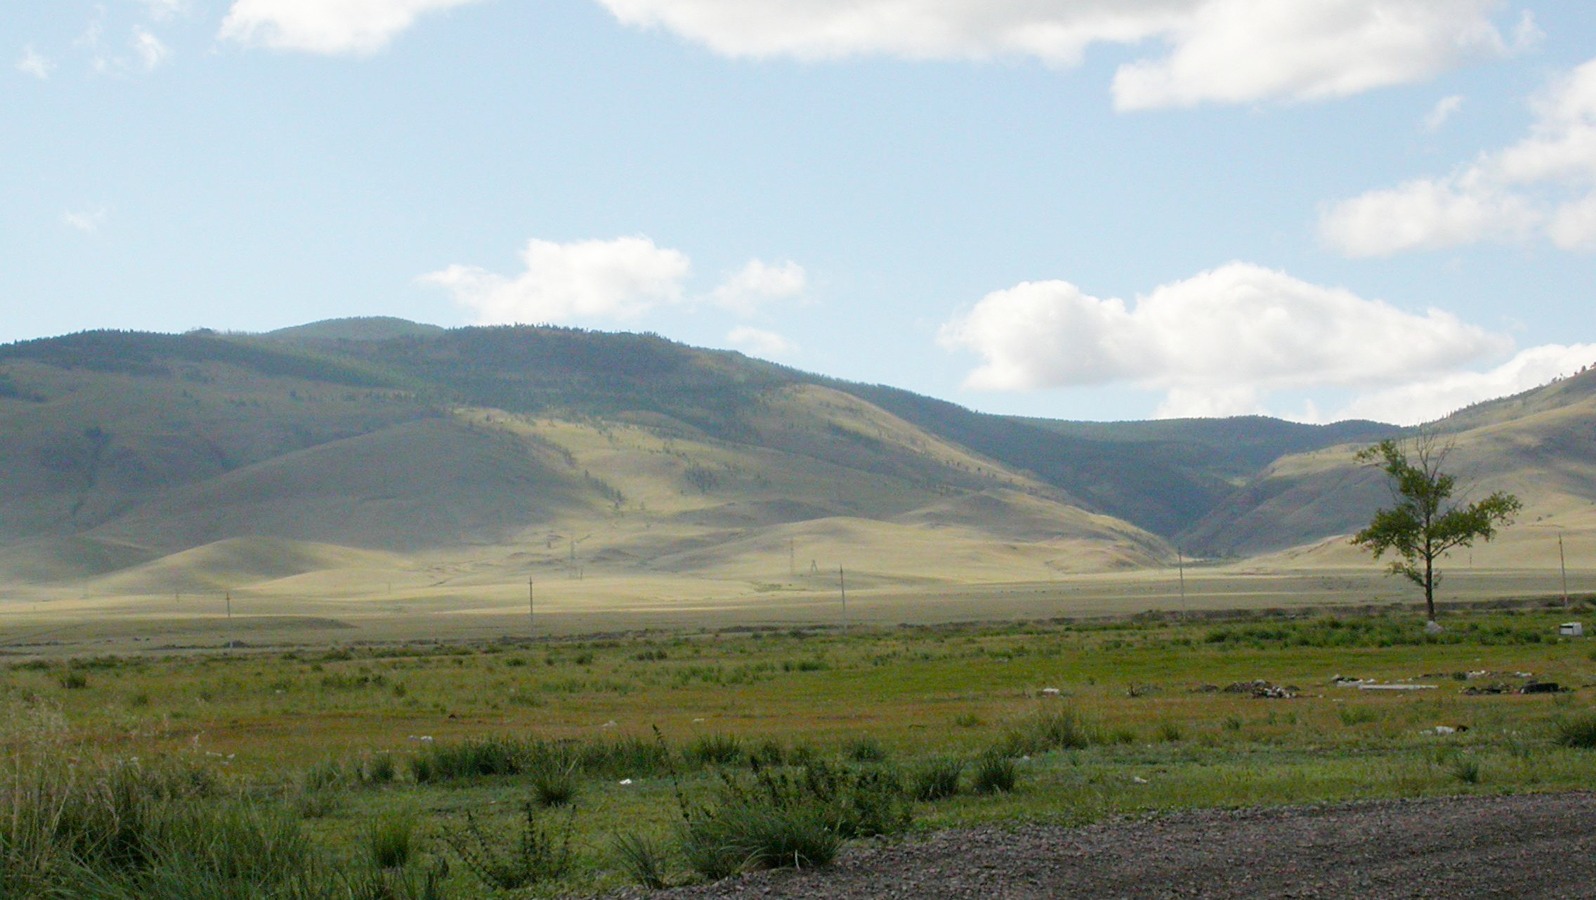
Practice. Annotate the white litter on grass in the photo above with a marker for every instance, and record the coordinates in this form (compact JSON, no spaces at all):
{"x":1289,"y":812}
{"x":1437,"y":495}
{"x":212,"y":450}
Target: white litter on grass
{"x":1139,"y":779}
{"x":626,"y":781}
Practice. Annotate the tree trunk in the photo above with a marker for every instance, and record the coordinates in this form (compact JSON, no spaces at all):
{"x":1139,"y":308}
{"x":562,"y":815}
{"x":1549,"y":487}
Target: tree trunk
{"x":1429,"y":587}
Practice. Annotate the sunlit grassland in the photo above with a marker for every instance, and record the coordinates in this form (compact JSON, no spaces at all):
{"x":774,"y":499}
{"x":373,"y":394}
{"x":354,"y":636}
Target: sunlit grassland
{"x":341,"y":736}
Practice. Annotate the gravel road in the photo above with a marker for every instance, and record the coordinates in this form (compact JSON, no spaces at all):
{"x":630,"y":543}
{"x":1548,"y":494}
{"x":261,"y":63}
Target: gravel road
{"x":1461,"y":848}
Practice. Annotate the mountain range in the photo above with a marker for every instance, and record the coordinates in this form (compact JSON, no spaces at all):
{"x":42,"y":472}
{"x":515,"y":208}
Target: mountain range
{"x":142,"y":462}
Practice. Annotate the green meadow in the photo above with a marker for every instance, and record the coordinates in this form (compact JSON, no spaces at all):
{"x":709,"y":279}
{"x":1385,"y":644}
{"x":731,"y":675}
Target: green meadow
{"x":573,"y":765}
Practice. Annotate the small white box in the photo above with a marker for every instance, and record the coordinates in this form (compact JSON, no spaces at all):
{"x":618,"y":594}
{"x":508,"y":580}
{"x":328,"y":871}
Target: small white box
{"x":1571,"y":629}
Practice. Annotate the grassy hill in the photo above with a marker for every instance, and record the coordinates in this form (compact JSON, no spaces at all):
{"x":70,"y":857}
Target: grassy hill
{"x":1540,"y":445}
{"x":146,"y":462}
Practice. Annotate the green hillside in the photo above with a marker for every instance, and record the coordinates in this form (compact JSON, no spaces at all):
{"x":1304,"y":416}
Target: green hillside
{"x":553,"y":449}
{"x":1540,"y":445}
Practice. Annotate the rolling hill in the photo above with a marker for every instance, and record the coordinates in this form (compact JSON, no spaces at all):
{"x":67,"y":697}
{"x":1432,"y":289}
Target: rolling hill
{"x":148,"y":462}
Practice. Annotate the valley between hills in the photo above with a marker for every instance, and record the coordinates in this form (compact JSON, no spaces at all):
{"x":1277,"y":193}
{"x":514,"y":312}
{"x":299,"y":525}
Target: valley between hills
{"x":379,"y":480}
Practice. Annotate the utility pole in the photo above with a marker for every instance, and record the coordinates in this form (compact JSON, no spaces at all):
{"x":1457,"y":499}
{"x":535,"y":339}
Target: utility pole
{"x":1180,"y":563}
{"x":842,"y":585}
{"x":1562,"y":564}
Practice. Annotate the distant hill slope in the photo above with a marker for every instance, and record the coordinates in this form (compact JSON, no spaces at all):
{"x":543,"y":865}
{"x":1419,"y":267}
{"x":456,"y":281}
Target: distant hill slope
{"x":630,"y":451}
{"x":1540,"y":445}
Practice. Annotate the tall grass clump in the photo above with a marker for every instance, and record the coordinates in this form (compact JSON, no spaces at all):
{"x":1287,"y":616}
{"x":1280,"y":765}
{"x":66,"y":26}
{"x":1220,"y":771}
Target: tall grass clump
{"x":716,"y":749}
{"x":1057,"y":729}
{"x":554,"y":785}
{"x":390,"y":841}
{"x":1578,"y":732}
{"x":937,"y":779}
{"x":644,"y":859}
{"x":473,"y":758}
{"x":122,"y":829}
{"x":790,"y":816}
{"x":994,"y":773}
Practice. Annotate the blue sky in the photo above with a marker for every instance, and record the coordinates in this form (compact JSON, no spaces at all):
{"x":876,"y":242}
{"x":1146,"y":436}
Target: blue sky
{"x":1082,"y":209}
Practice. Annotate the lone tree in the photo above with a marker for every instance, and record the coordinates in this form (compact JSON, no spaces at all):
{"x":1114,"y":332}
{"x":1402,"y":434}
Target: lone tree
{"x":1425,"y":522}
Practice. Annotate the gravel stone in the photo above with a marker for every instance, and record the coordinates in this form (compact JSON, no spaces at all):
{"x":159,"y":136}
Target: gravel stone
{"x":1525,"y":846}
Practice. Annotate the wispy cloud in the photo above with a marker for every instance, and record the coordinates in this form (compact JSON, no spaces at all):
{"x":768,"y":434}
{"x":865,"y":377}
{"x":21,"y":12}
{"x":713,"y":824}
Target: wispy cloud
{"x":330,"y":27}
{"x":1217,"y":51}
{"x":87,"y":221}
{"x":161,"y":10}
{"x":151,"y":52}
{"x":1218,"y":343}
{"x":1540,"y":186}
{"x":34,"y":63}
{"x":1442,"y":112}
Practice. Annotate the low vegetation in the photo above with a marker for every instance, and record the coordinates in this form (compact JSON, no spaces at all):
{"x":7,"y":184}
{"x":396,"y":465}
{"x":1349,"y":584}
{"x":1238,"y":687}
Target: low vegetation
{"x":656,"y":759}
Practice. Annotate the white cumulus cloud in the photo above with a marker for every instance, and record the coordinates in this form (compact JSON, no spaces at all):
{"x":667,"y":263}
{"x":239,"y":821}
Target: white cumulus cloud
{"x":34,"y":63}
{"x":1224,"y":51}
{"x":331,"y":27}
{"x":1216,"y":344}
{"x":583,"y":281}
{"x":1432,"y":398}
{"x":758,"y":342}
{"x":1545,"y":184}
{"x":757,"y":283}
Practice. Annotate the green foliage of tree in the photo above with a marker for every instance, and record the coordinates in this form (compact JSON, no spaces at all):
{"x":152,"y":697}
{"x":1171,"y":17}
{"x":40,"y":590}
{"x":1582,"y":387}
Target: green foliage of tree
{"x":1426,"y":522}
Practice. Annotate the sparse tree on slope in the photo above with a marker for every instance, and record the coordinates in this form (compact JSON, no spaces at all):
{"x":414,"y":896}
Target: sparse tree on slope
{"x":1426,"y":522}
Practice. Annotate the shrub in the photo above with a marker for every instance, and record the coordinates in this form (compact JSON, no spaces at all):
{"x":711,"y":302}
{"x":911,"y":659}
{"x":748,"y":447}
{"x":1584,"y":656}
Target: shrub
{"x":537,"y":855}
